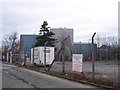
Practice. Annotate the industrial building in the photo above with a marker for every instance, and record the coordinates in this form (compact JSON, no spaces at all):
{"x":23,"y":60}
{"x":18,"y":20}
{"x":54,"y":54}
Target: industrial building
{"x":66,"y":35}
{"x":26,"y":43}
{"x":85,"y":49}
{"x":61,"y":34}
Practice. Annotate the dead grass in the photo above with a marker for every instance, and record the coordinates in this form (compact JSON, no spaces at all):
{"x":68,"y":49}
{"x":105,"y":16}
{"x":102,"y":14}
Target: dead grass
{"x":88,"y":76}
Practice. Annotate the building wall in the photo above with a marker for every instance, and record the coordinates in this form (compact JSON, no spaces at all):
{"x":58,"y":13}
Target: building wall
{"x":85,"y":49}
{"x":60,"y":35}
{"x":26,"y":43}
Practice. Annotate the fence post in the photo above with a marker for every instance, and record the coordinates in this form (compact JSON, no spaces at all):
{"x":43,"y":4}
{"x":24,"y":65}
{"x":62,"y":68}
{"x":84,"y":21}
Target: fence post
{"x":93,"y":57}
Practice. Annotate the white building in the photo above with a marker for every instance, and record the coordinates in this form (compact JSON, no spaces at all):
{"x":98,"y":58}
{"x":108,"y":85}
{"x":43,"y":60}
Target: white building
{"x":60,"y":35}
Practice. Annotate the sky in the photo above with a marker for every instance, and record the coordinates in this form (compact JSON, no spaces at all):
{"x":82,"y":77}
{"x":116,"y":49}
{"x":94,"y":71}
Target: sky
{"x":84,"y":16}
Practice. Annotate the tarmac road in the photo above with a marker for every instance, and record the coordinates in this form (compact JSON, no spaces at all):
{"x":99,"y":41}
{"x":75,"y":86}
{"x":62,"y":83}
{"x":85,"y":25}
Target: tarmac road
{"x":15,"y":77}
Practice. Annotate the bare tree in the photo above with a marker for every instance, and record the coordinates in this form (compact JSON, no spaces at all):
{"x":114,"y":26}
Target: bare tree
{"x":109,"y":47}
{"x":11,"y":42}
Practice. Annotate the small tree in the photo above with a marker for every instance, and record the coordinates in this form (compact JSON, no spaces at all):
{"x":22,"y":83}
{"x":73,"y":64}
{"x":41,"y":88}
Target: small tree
{"x":45,"y":36}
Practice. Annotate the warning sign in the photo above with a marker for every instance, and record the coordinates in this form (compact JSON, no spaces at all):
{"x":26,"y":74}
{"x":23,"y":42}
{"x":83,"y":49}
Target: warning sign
{"x":77,"y":62}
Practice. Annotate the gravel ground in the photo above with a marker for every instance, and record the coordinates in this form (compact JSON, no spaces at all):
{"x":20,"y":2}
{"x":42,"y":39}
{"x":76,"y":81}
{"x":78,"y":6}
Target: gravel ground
{"x":105,"y":69}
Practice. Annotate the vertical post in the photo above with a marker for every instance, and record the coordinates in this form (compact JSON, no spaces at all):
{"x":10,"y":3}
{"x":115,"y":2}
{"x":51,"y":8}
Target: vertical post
{"x":63,"y":60}
{"x":11,"y":57}
{"x":106,"y":54}
{"x":45,"y":55}
{"x":93,"y":57}
{"x":63,"y":55}
{"x":8,"y":56}
{"x":33,"y":55}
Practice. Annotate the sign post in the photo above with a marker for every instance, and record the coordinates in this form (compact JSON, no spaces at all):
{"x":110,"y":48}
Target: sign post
{"x":77,"y":62}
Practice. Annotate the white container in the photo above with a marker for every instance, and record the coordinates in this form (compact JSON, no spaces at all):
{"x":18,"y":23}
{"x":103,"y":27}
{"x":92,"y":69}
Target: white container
{"x":39,"y":55}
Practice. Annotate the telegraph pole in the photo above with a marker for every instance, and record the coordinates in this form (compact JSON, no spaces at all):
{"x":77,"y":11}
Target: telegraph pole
{"x":93,"y":57}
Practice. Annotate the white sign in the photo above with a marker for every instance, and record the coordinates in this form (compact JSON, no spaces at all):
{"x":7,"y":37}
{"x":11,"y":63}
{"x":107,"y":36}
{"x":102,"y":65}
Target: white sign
{"x":77,"y":62}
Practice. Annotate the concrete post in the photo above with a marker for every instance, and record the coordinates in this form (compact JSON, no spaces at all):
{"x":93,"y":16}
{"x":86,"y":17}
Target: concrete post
{"x":11,"y":56}
{"x":7,"y":56}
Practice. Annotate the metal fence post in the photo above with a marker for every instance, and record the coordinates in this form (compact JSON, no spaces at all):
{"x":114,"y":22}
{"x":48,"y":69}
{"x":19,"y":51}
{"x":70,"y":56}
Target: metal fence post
{"x":63,"y":60}
{"x":93,"y":57}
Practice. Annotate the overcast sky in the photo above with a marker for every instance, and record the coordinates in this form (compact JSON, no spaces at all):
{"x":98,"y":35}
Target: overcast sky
{"x":84,"y":16}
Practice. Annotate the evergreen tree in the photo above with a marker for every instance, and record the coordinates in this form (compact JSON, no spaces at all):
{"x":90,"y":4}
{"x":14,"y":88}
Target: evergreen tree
{"x":45,"y":36}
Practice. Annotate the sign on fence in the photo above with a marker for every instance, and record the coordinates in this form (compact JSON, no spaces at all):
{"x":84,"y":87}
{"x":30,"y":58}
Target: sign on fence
{"x":77,"y":62}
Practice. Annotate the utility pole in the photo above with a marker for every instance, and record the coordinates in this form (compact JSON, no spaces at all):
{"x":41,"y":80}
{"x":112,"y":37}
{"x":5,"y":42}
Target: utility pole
{"x":93,"y":57}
